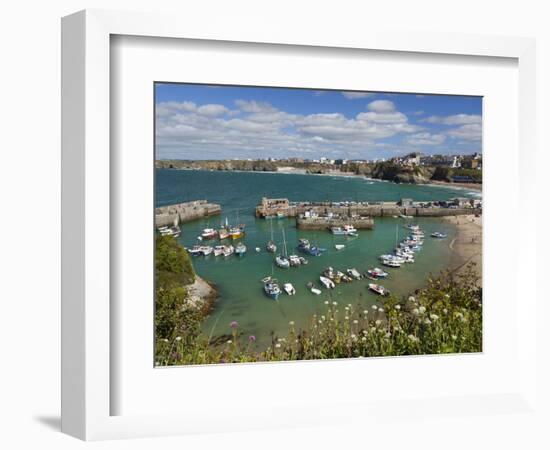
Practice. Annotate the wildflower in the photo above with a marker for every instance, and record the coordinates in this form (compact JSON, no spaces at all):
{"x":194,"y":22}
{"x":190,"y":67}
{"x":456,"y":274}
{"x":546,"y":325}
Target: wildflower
{"x":453,"y":337}
{"x":347,"y":318}
{"x":415,"y":311}
{"x":413,"y":338}
{"x":397,"y":307}
{"x":165,"y":340}
{"x":412,"y":299}
{"x":459,"y":315}
{"x":365,"y":332}
{"x":381,"y":310}
{"x":355,"y":322}
{"x":374,"y":307}
{"x":326,"y":302}
{"x":353,"y":337}
{"x":349,"y":304}
{"x":347,"y":308}
{"x":388,"y":335}
{"x":445,"y":311}
{"x":278,"y":345}
{"x":320,"y":321}
{"x":178,"y":338}
{"x":378,"y":322}
{"x":434,"y":317}
{"x":335,"y":303}
{"x":229,"y":341}
{"x":427,"y":321}
{"x":422,"y":309}
{"x":332,"y":319}
{"x":373,"y":329}
{"x":234,"y":324}
{"x":447,"y":295}
{"x":366,"y":312}
{"x":251,"y":338}
{"x":322,"y":317}
{"x":291,"y":323}
{"x":281,"y":339}
{"x":364,"y":339}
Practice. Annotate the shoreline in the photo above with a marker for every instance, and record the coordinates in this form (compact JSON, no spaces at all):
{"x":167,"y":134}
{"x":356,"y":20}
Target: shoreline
{"x":336,"y":173}
{"x":466,"y":247}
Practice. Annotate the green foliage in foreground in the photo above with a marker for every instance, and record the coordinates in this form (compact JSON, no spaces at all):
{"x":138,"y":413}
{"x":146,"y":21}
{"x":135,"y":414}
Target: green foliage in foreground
{"x":444,"y":317}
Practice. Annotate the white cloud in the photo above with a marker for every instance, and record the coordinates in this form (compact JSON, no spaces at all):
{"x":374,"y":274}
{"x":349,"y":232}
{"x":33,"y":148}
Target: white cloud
{"x":456,"y":119}
{"x":252,"y":106}
{"x":468,"y":132}
{"x":212,"y":110}
{"x":351,"y":95}
{"x":381,"y":106}
{"x":425,"y":138}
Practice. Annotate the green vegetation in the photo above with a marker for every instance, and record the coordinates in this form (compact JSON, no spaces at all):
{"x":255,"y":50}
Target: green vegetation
{"x":445,"y":174}
{"x":444,"y":317}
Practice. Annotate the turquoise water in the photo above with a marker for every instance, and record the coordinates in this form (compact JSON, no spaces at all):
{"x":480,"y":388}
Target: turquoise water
{"x":238,"y":279}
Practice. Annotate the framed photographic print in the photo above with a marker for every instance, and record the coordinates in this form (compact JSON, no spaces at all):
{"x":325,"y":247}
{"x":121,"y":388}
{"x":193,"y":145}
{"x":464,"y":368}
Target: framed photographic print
{"x":250,"y":215}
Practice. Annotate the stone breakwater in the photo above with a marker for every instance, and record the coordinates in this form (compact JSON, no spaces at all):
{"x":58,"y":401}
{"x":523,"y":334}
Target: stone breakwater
{"x":185,"y":212}
{"x":283,"y":207}
{"x":323,"y":223}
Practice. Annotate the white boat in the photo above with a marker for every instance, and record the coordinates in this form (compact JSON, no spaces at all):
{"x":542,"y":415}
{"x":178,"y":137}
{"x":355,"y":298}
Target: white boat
{"x":228,"y":250}
{"x":354,"y":273}
{"x":327,"y":282}
{"x":218,"y":250}
{"x":346,"y":230}
{"x":258,"y":249}
{"x":282,"y":262}
{"x":303,"y":260}
{"x":438,"y":235}
{"x":289,"y":289}
{"x":294,"y":260}
{"x":206,"y":250}
{"x":271,"y":288}
{"x":313,"y":289}
{"x":209,"y":233}
{"x":270,"y":246}
{"x":195,"y":250}
{"x":174,"y":231}
{"x":376,"y":273}
{"x":412,"y":227}
{"x":378,"y":289}
{"x":240,"y":249}
{"x":339,"y":246}
{"x":343,"y":277}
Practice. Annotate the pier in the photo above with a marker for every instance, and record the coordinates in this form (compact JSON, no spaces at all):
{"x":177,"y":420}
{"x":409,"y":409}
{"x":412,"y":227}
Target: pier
{"x":185,"y":212}
{"x":282,"y":207}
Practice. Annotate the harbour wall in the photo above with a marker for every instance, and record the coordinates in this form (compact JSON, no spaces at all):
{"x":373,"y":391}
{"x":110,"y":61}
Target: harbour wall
{"x":185,"y":212}
{"x":272,"y":207}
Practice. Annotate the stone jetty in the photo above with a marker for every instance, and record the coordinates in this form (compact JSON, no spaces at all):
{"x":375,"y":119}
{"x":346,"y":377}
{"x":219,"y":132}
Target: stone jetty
{"x":185,"y":212}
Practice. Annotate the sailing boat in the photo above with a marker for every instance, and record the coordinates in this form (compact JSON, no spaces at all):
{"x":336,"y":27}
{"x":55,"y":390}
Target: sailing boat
{"x":237,"y":231}
{"x":282,"y":260}
{"x":223,"y":232}
{"x":271,"y":247}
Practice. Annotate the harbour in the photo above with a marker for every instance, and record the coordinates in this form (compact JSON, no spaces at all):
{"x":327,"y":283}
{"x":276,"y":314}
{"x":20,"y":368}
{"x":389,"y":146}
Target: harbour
{"x":238,"y":279}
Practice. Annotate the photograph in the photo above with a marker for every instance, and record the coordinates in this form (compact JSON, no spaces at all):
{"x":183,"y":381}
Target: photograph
{"x":297,"y":224}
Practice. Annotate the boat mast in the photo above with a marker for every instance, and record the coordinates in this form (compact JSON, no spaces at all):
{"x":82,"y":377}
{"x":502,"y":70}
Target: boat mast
{"x":284,"y":244}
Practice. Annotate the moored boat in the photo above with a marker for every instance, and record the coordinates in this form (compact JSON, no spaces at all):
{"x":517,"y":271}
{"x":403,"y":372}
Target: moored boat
{"x":378,"y":289}
{"x":271,"y":288}
{"x":209,"y":233}
{"x":289,"y":289}
{"x":206,"y":250}
{"x":339,"y":246}
{"x":282,"y":262}
{"x":438,"y":235}
{"x":327,"y":282}
{"x":313,"y":289}
{"x":354,"y":273}
{"x":174,"y":231}
{"x":240,"y":249}
{"x":376,"y":273}
{"x":294,"y":260}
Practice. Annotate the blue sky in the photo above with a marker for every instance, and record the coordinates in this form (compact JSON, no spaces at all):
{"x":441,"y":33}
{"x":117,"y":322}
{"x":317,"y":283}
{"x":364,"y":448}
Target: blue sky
{"x":224,"y":122}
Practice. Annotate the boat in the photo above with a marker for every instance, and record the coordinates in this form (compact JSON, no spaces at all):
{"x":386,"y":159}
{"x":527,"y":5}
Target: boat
{"x":354,"y":273}
{"x":294,"y":260}
{"x":271,"y":288}
{"x":305,"y":246}
{"x":378,"y":289}
{"x":303,"y":260}
{"x":289,"y":289}
{"x":223,"y":232}
{"x":228,"y":250}
{"x":270,"y":246}
{"x":343,"y":277}
{"x":209,"y":233}
{"x":313,"y":289}
{"x":438,"y":235}
{"x":206,"y":250}
{"x":391,"y":263}
{"x":403,"y":216}
{"x":339,"y":246}
{"x":240,"y":249}
{"x":280,"y":215}
{"x":327,"y":282}
{"x":258,"y":249}
{"x":218,"y":250}
{"x":282,"y":260}
{"x":174,"y":231}
{"x":237,"y":232}
{"x":376,"y":273}
{"x":412,"y":227}
{"x":195,"y":250}
{"x":346,"y":230}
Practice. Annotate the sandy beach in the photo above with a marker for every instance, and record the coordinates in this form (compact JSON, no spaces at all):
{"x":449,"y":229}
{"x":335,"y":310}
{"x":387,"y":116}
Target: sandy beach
{"x":467,"y":245}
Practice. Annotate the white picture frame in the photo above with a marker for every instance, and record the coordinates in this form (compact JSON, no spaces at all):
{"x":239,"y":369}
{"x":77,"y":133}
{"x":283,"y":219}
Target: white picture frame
{"x":87,"y":386}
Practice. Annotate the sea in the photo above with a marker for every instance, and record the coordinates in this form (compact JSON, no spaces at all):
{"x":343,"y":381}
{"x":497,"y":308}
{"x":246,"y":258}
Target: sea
{"x":238,"y":279}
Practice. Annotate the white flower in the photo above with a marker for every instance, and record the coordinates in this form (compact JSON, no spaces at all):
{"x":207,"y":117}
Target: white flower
{"x":453,"y":337}
{"x":322,"y":317}
{"x":349,"y":304}
{"x":378,"y":322}
{"x":434,"y":317}
{"x":334,"y":303}
{"x":347,"y":318}
{"x":165,"y":340}
{"x":326,"y":302}
{"x":412,"y":299}
{"x":415,"y":311}
{"x":178,"y":338}
{"x":427,"y":321}
{"x":364,"y":339}
{"x":412,"y":338}
{"x":445,"y":311}
{"x":355,"y":322}
{"x":320,"y":321}
{"x":291,"y":323}
{"x":353,"y":337}
{"x":347,"y":308}
{"x":365,"y":312}
{"x":374,"y":307}
{"x":278,"y":345}
{"x":397,"y":307}
{"x":381,"y":310}
{"x":388,"y":335}
{"x":422,"y":309}
{"x":365,"y":332}
{"x":229,"y":341}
